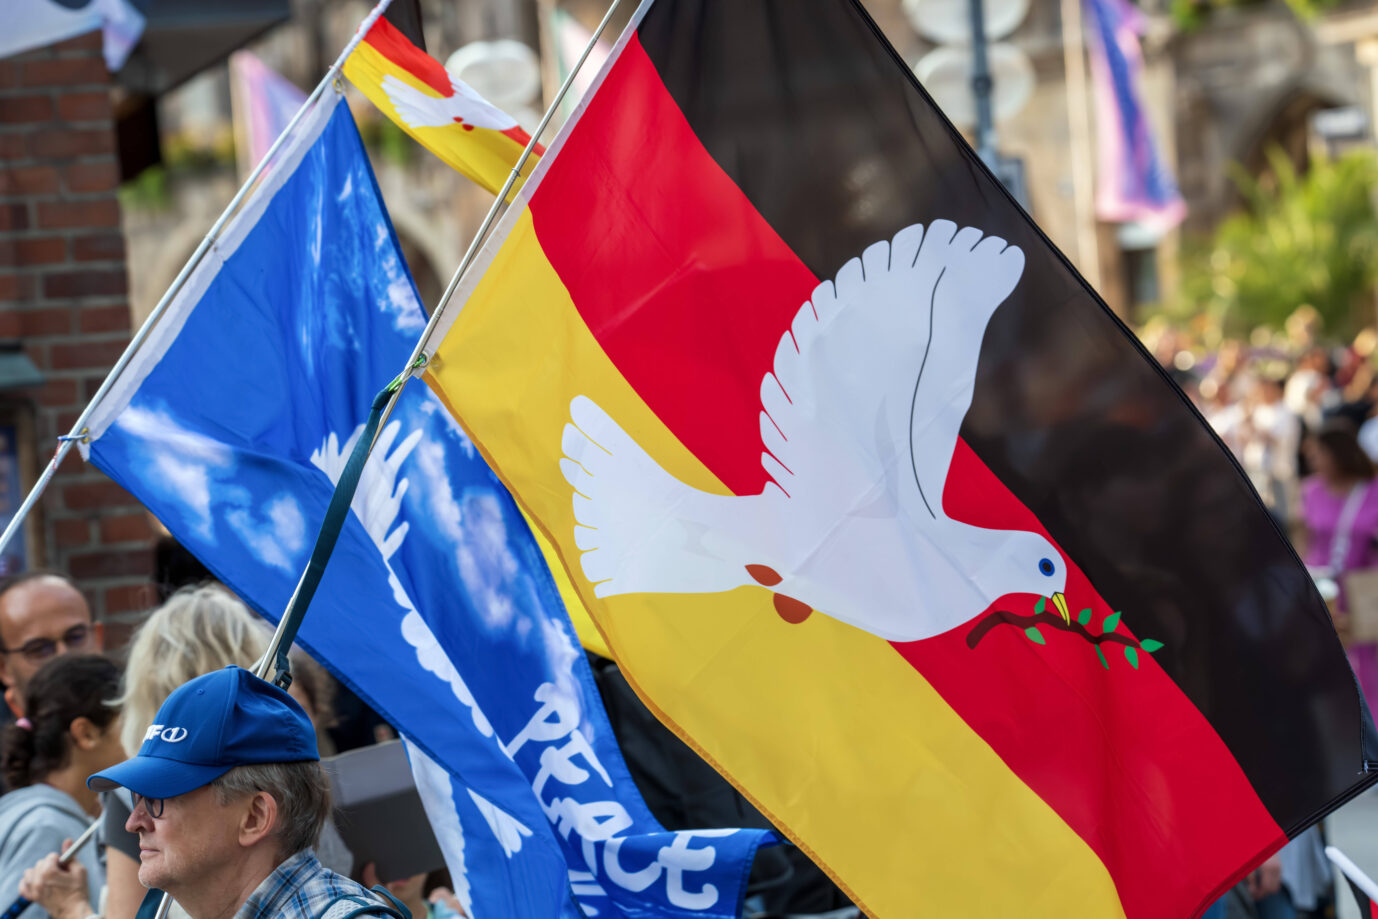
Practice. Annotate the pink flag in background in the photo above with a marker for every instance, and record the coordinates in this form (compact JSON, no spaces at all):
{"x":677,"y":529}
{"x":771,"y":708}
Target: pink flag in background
{"x":264,"y":102}
{"x":1133,"y":182}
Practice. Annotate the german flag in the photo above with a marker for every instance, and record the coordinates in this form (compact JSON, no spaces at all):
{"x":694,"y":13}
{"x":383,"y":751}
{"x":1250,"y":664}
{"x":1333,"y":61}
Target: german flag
{"x":877,"y":504}
{"x":441,"y":112}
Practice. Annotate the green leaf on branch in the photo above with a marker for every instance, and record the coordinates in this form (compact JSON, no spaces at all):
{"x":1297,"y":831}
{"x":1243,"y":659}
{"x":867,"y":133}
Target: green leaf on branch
{"x":1038,"y":607}
{"x":1084,"y":617}
{"x":1101,"y":654}
{"x":1150,"y":645}
{"x":1131,"y":655}
{"x":1035,"y":635}
{"x":1110,"y":622}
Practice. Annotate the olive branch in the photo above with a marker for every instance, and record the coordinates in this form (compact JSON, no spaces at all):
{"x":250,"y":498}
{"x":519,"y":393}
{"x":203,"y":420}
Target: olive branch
{"x":1042,"y":616}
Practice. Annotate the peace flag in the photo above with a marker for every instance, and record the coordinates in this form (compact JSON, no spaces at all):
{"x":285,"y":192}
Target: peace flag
{"x":876,"y":503}
{"x":440,"y":111}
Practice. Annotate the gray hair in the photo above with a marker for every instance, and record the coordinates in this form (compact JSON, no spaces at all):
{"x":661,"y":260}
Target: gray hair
{"x":302,"y":793}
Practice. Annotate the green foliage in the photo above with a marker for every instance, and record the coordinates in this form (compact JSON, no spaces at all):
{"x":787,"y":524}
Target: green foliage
{"x":147,"y":191}
{"x":1101,"y":654}
{"x":1189,"y":14}
{"x":1084,"y":617}
{"x":1150,"y":645}
{"x":1110,"y":623}
{"x":1040,"y":606}
{"x":1305,"y":239}
{"x":386,"y":137}
{"x":1131,"y":655}
{"x":1035,"y":635}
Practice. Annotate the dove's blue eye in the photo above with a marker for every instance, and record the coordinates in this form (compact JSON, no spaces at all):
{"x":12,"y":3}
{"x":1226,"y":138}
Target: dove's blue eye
{"x":1045,"y":566}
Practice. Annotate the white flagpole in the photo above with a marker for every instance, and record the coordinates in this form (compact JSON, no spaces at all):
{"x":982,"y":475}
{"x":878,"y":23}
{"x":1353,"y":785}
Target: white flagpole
{"x":1353,"y":872}
{"x":79,"y":429}
{"x":416,"y":361}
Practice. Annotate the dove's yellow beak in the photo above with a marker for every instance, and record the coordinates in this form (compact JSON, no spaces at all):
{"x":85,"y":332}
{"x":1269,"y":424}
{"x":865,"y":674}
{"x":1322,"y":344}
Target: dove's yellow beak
{"x":1060,"y":602}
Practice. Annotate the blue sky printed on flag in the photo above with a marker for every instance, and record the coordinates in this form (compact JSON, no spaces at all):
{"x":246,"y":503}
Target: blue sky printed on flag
{"x":232,"y":426}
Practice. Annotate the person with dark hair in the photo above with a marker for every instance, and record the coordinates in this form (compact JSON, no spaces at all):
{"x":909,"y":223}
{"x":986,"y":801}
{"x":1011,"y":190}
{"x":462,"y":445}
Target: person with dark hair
{"x":42,"y":615}
{"x":1339,"y":506}
{"x":69,"y":732}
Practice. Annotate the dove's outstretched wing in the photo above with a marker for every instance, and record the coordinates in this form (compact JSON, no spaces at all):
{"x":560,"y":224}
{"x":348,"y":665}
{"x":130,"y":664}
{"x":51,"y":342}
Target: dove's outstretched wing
{"x":476,"y":110}
{"x":883,"y":356}
{"x":417,"y":109}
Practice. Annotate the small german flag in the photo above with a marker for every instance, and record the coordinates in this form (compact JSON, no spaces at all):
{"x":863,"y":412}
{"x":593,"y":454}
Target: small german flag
{"x":441,"y":112}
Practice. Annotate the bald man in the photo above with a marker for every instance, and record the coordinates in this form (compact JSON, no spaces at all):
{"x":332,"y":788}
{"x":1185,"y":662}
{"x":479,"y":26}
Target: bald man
{"x":42,"y":615}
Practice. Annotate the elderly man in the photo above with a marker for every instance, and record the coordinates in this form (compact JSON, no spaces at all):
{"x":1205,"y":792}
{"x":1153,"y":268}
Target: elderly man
{"x":229,"y":799}
{"x":42,"y":615}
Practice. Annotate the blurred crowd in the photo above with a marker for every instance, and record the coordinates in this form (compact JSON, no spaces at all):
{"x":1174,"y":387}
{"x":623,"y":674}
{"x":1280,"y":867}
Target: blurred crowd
{"x":1300,"y":415}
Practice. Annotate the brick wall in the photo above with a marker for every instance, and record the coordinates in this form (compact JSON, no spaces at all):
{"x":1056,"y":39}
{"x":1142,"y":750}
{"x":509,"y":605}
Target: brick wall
{"x":63,"y":295}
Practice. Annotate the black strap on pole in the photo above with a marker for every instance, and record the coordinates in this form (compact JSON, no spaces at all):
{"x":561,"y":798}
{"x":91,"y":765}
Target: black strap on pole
{"x":335,"y":517}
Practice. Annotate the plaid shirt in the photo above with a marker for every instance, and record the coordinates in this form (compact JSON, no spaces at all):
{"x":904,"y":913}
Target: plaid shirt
{"x":302,"y":888}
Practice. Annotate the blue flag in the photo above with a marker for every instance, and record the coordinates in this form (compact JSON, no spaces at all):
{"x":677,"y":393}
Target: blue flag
{"x":232,"y":425}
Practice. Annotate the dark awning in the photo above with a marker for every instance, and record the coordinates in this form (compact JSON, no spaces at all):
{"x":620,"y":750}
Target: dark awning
{"x":184,"y":37}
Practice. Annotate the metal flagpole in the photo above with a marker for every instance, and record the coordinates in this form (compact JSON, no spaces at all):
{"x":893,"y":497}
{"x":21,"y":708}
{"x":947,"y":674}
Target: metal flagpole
{"x":292,"y":616}
{"x":79,"y":430}
{"x":981,"y":87}
{"x":22,"y":903}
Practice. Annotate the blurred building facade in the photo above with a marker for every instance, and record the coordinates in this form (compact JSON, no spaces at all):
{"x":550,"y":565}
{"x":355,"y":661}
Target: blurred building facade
{"x":1223,"y":92}
{"x":1244,"y":79}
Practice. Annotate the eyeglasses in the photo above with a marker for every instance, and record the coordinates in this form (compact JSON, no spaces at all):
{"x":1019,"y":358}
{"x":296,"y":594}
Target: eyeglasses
{"x":154,"y":806}
{"x":39,"y":650}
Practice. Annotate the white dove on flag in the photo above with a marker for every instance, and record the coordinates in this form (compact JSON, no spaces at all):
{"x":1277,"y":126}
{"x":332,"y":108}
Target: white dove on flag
{"x":462,"y":106}
{"x":859,"y":421}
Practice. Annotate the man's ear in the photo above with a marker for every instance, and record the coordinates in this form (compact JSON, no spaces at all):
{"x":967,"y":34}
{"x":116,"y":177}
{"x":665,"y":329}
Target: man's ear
{"x":97,"y":639}
{"x":85,"y":733}
{"x":13,"y":700}
{"x":258,"y":819}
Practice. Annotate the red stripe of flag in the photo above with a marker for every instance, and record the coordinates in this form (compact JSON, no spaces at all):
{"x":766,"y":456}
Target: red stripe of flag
{"x":389,"y":41}
{"x":635,"y":209}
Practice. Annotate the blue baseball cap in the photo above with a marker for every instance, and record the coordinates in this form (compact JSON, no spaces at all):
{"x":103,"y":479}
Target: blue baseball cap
{"x":208,"y":726}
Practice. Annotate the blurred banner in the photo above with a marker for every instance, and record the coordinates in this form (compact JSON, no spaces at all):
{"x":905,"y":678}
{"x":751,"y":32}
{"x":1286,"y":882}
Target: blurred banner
{"x":876,"y":503}
{"x":1133,"y":182}
{"x":26,"y":24}
{"x":233,"y":425}
{"x":263,"y":102}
